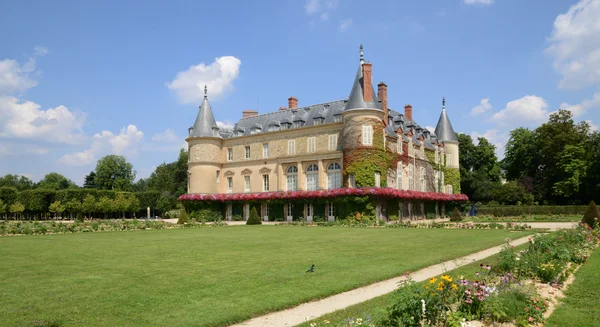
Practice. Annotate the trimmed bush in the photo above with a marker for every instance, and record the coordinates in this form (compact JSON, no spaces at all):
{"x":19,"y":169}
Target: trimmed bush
{"x":456,"y":216}
{"x":514,"y":211}
{"x":253,"y":219}
{"x":591,"y":214}
{"x":183,"y":217}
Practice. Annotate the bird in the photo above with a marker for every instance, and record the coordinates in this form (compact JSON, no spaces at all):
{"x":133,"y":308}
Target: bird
{"x":311,"y":269}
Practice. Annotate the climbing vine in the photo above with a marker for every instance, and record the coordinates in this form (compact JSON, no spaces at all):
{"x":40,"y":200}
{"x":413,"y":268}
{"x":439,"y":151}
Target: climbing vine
{"x":364,"y":161}
{"x":452,"y":177}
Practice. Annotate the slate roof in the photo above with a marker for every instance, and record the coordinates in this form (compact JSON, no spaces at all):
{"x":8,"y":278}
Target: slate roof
{"x":444,"y":130}
{"x":205,"y":124}
{"x":356,"y":99}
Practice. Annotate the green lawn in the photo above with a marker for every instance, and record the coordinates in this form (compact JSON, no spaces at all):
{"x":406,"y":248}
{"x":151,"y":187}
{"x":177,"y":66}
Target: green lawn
{"x":376,"y":309}
{"x":206,"y":276}
{"x":580,"y":306}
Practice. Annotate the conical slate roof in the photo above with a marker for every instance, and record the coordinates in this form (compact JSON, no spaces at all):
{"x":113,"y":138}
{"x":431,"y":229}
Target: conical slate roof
{"x":444,"y":130}
{"x":356,"y":99}
{"x":205,"y":125}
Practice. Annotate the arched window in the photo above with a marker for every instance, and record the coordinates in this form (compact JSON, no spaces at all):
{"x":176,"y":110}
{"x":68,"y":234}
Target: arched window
{"x":399,"y":175}
{"x":292,"y":178}
{"x":312,"y":177}
{"x":334,"y":176}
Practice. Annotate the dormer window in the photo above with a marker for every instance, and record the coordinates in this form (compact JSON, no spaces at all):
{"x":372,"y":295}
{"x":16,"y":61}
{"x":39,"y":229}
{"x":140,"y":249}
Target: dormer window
{"x":318,"y":121}
{"x":337,"y":118}
{"x":273,"y":128}
{"x":298,"y":124}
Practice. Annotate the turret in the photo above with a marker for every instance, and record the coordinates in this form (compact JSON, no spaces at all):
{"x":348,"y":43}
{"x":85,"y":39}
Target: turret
{"x":445,"y":133}
{"x":205,"y":151}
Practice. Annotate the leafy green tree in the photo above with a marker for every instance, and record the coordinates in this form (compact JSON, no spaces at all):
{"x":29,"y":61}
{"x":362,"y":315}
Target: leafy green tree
{"x":17,"y":209}
{"x":485,"y":159}
{"x":57,"y":208}
{"x":253,"y":219}
{"x":89,"y":180}
{"x":512,"y":193}
{"x":520,"y":154}
{"x":8,"y":194}
{"x":164,"y":204}
{"x":113,"y":172}
{"x":571,"y":168}
{"x":89,"y":205}
{"x":140,"y":186}
{"x":107,"y":206}
{"x":56,"y":181}
{"x":3,"y":208}
{"x":73,"y":207}
{"x":19,"y":182}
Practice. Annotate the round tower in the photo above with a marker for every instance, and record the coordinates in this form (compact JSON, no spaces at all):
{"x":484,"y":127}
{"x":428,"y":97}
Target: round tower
{"x":363,"y":136}
{"x":204,"y":151}
{"x":445,"y":133}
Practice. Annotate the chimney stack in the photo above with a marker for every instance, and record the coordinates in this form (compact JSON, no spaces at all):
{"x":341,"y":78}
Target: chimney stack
{"x":367,"y":82}
{"x":408,"y":112}
{"x":382,"y":95}
{"x":249,"y":113}
{"x":292,"y":102}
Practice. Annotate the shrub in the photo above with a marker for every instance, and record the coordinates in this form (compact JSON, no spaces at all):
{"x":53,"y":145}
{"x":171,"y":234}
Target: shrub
{"x":237,"y":218}
{"x":79,"y":217}
{"x":514,"y":211}
{"x":591,"y":214}
{"x":406,"y":309}
{"x":509,"y":305}
{"x":456,"y":216}
{"x":253,"y":219}
{"x":183,"y":217}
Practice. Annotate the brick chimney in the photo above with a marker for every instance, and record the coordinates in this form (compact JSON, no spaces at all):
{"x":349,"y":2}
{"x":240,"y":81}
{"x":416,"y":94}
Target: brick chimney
{"x":292,"y":102}
{"x":367,"y":82}
{"x":408,"y":112}
{"x":249,"y":113}
{"x":382,"y":95}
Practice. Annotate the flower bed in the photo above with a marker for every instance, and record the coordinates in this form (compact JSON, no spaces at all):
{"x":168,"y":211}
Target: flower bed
{"x":381,"y":192}
{"x":520,"y":289}
{"x":53,"y":227}
{"x":467,"y":225}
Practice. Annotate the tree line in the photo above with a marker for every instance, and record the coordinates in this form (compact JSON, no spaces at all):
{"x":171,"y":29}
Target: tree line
{"x":555,"y":163}
{"x":109,"y":191}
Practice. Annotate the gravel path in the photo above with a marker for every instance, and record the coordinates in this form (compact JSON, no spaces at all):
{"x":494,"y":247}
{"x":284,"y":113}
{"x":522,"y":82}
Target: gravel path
{"x":314,"y":309}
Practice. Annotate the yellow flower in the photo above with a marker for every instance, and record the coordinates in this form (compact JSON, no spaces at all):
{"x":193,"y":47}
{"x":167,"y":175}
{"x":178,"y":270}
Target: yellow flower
{"x":441,"y":284}
{"x":454,"y":286}
{"x":446,"y":278}
{"x":427,"y":287}
{"x":326,"y":321}
{"x":432,"y":280}
{"x":440,"y":288}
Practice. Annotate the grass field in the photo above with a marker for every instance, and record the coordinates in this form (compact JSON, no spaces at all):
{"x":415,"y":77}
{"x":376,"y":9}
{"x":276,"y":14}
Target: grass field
{"x":206,"y":276}
{"x":580,"y":306}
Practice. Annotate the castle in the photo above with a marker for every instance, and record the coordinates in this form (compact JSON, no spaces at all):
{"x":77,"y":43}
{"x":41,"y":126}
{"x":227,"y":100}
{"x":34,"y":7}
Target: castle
{"x":296,"y":161}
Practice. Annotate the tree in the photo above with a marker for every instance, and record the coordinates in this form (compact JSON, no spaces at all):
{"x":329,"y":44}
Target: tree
{"x":3,"y":208}
{"x":89,"y":180}
{"x":19,"y":182}
{"x":485,"y":159}
{"x":89,"y":205}
{"x":253,"y":219}
{"x":456,"y":216}
{"x":183,"y":217}
{"x":73,"y":207}
{"x":106,"y":205}
{"x":56,"y":208}
{"x":17,"y":209}
{"x":113,"y":172}
{"x":520,"y":154}
{"x":571,"y":169}
{"x":591,"y":215}
{"x":56,"y":181}
{"x":140,"y":186}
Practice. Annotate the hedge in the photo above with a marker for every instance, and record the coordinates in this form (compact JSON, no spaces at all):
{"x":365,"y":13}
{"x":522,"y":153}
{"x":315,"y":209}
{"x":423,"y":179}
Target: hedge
{"x":504,"y":211}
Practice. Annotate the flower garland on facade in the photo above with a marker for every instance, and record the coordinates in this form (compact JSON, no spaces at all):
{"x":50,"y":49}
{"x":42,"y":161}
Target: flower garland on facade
{"x":380,"y":192}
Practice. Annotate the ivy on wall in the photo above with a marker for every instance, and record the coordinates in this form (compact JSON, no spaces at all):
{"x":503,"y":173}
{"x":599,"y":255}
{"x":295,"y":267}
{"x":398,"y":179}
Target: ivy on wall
{"x":364,"y":161}
{"x":452,"y":177}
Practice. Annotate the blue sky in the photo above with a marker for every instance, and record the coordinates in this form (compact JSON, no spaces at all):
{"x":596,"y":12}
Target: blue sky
{"x":79,"y":80}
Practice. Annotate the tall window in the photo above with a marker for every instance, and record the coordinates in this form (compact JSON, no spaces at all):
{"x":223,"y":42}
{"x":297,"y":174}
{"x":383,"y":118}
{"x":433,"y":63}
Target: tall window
{"x":333,"y":142}
{"x":312,"y":177}
{"x":411,"y":149}
{"x":377,"y":179}
{"x":266,"y":212}
{"x":422,"y":179}
{"x":331,"y":210}
{"x":400,"y":145}
{"x":310,"y":210}
{"x":367,"y":135}
{"x":229,"y":184}
{"x":291,"y":146}
{"x":217,"y":176}
{"x":448,"y":159}
{"x":334,"y":176}
{"x":247,"y":152}
{"x":265,"y":183}
{"x":443,"y":183}
{"x":246,"y":184}
{"x":290,"y":210}
{"x":410,"y":177}
{"x":311,"y":146}
{"x":292,"y":178}
{"x":437,"y":181}
{"x":399,"y":174}
{"x":265,"y":150}
{"x":229,"y":154}
{"x":437,"y":156}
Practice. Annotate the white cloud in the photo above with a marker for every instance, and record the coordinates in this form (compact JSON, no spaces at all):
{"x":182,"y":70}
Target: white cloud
{"x":16,"y":77}
{"x":225,"y":125}
{"x":345,"y":24}
{"x":218,"y":77}
{"x":585,"y":105}
{"x":575,"y":45}
{"x":167,"y":136}
{"x":25,"y":119}
{"x":494,"y":137}
{"x":312,"y":6}
{"x":324,"y":16}
{"x":483,"y":106}
{"x":105,"y":142}
{"x":529,"y":108}
{"x":479,"y":2}
{"x":593,"y":126}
